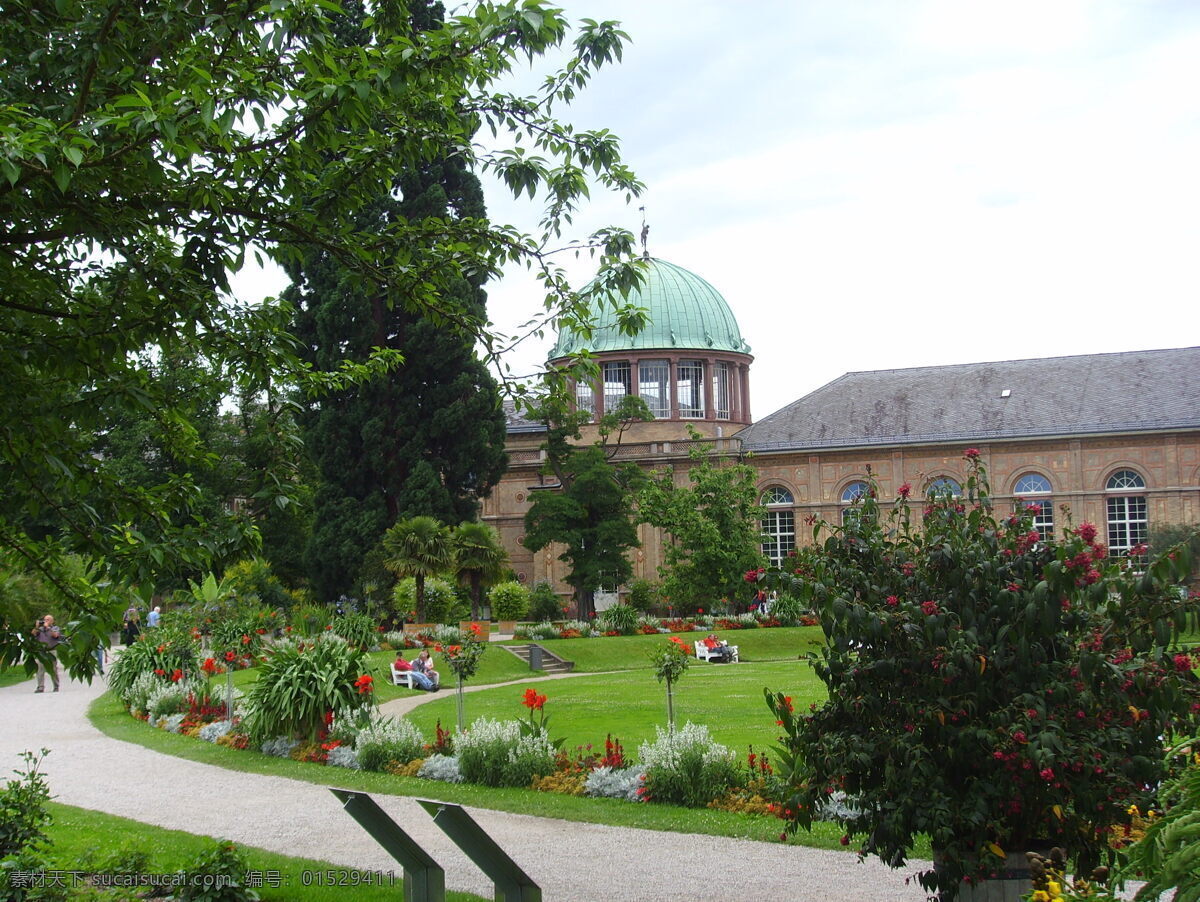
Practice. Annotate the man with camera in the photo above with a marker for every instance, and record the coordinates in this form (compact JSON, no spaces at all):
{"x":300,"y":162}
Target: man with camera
{"x":50,"y":636}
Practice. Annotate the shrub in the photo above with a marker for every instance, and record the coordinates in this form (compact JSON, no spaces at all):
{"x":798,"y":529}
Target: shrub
{"x":254,"y":578}
{"x":441,"y":767}
{"x":388,"y":741}
{"x":217,"y":874}
{"x":544,"y":603}
{"x":302,"y":682}
{"x":544,"y":630}
{"x":509,"y":600}
{"x":343,"y":756}
{"x":442,"y":604}
{"x":359,"y":630}
{"x":310,"y":619}
{"x":23,"y":815}
{"x":687,"y":767}
{"x":494,"y":753}
{"x":622,"y":618}
{"x":643,"y":595}
{"x":214,"y":731}
{"x":162,"y":651}
{"x":279,"y":747}
{"x":616,"y":783}
{"x":787,"y":609}
{"x":985,"y":685}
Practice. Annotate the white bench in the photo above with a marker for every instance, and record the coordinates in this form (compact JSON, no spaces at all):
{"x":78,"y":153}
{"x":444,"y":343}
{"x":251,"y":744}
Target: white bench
{"x":403,"y":678}
{"x":704,"y":653}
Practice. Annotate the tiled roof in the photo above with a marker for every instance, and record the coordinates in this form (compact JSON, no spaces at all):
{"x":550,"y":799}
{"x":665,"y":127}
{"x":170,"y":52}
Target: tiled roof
{"x":685,"y":313}
{"x":1135,"y":391}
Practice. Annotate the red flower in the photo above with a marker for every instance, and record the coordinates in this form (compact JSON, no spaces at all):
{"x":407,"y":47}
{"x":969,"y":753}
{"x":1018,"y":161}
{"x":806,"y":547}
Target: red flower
{"x":892,"y":601}
{"x":533,"y":700}
{"x":1183,"y":663}
{"x":260,"y":631}
{"x":328,"y":718}
{"x":905,"y":490}
{"x":160,"y":671}
{"x":474,"y":628}
{"x":209,"y":666}
{"x":845,"y":840}
{"x":971,"y":454}
{"x":699,"y":610}
{"x":177,"y":675}
{"x":229,"y":656}
{"x":364,"y":683}
{"x":929,"y":608}
{"x":245,"y":640}
{"x":1086,"y":531}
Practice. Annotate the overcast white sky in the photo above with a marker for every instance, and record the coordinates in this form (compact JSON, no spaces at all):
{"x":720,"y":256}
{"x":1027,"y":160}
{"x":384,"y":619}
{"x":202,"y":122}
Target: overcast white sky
{"x":891,"y":183}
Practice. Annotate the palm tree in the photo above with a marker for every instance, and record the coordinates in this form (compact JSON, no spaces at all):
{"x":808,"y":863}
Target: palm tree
{"x":418,"y":547}
{"x":479,"y":559}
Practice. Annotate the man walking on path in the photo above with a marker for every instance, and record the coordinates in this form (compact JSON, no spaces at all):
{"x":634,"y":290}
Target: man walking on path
{"x":50,"y":636}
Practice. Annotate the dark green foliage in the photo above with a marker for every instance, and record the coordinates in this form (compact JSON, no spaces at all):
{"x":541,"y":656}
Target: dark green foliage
{"x":143,"y":163}
{"x":359,"y":630}
{"x":692,"y":779}
{"x":217,"y":875}
{"x":544,"y":603}
{"x":509,"y":600}
{"x":425,"y":439}
{"x":620,"y":617}
{"x":254,"y":577}
{"x":986,"y":688}
{"x":301,"y":683}
{"x":714,"y":527}
{"x":479,"y":559}
{"x":419,"y":547}
{"x":150,"y":653}
{"x":643,"y":595}
{"x":590,"y":515}
{"x":23,"y":815}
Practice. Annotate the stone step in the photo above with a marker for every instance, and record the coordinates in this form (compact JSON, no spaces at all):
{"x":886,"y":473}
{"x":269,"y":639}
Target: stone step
{"x":551,"y":663}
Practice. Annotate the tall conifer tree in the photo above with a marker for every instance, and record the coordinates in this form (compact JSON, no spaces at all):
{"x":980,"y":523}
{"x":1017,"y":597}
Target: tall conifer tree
{"x":428,"y":437}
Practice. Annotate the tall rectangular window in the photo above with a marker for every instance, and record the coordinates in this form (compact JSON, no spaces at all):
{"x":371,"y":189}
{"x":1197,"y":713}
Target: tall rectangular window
{"x":616,"y":384}
{"x":1127,"y":523}
{"x":721,"y":389}
{"x":654,"y":386}
{"x":585,"y":397}
{"x":690,"y":375}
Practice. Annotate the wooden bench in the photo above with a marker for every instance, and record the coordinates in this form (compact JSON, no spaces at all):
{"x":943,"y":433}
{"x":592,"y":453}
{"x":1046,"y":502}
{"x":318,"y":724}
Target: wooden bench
{"x":704,"y":653}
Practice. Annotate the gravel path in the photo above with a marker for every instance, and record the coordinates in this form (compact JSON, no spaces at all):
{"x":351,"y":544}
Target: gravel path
{"x":570,"y":861}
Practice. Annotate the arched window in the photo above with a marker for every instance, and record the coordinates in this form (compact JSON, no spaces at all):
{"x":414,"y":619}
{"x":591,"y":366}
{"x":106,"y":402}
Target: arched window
{"x":943,"y":485}
{"x":1128,"y":524}
{"x":851,"y":493}
{"x":779,"y":525}
{"x":1036,"y":484}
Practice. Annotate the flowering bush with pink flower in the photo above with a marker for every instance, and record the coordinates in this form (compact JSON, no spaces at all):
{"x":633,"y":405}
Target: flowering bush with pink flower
{"x":986,"y":687}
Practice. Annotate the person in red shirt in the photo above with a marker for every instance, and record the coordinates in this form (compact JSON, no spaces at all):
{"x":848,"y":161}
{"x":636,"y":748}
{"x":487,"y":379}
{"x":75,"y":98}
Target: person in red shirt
{"x":419,"y":678}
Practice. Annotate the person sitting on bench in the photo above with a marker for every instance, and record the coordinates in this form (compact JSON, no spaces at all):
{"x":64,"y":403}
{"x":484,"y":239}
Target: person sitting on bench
{"x":718,"y":648}
{"x":422,"y":681}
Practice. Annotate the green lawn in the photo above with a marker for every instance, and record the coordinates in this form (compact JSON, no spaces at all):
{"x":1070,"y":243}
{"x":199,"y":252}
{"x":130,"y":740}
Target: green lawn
{"x":629,"y":704}
{"x":89,"y":841}
{"x":633,"y":652}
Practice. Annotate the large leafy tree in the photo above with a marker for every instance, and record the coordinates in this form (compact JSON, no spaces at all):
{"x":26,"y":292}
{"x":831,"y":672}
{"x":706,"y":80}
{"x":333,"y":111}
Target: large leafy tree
{"x":590,"y":512}
{"x":713,"y":524}
{"x":426,"y":438}
{"x":148,"y":150}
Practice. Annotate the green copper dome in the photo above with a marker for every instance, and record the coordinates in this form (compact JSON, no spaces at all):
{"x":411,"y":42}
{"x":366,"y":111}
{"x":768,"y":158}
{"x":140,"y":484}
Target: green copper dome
{"x":685,"y":312}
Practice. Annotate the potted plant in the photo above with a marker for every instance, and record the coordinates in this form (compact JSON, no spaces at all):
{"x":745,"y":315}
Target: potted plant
{"x":988,"y":687}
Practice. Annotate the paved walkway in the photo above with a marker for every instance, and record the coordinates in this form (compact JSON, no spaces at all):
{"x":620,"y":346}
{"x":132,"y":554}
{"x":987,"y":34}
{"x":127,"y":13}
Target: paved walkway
{"x":572,"y":862}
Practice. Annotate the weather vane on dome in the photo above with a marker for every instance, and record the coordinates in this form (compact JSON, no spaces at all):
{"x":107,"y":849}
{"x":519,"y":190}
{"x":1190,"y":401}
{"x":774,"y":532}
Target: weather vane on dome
{"x":645,"y":234}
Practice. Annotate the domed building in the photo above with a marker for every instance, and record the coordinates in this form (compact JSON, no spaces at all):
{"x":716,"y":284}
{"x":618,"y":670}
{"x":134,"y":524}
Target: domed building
{"x":689,"y":364}
{"x":1113,"y":439}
